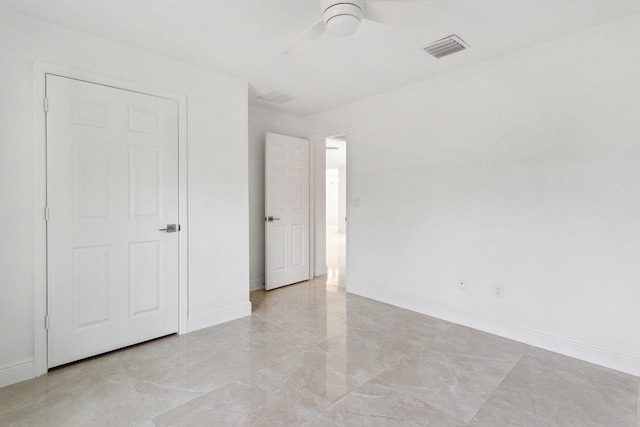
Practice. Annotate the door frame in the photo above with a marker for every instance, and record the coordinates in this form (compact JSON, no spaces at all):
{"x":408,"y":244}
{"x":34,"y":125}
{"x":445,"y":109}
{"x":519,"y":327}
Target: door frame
{"x":317,"y":178}
{"x":40,"y":70}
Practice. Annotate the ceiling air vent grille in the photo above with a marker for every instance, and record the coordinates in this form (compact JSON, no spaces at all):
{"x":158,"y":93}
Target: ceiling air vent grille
{"x":277,"y":97}
{"x":446,"y":46}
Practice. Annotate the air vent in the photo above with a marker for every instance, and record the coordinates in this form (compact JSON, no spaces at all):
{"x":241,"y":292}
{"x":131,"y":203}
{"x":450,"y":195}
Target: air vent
{"x":277,"y":97}
{"x":446,"y":46}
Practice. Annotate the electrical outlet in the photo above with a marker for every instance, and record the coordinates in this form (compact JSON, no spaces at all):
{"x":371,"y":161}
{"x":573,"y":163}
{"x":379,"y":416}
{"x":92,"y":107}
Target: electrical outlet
{"x":462,"y":284}
{"x":498,"y":290}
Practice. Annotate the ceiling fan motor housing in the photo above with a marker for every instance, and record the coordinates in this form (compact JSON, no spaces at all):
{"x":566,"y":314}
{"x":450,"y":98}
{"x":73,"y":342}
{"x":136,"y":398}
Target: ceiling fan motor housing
{"x":342,"y":18}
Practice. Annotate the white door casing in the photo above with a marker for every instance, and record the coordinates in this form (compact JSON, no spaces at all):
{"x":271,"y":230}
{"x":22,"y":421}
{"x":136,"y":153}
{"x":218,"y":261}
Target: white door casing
{"x":287,"y":217}
{"x":112,"y":183}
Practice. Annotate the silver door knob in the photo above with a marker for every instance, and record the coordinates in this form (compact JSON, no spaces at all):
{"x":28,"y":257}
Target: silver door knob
{"x":271,"y":219}
{"x":171,"y":228}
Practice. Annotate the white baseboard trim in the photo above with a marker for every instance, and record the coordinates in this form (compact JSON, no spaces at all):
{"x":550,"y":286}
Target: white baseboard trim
{"x":217,"y":317}
{"x":557,"y":344}
{"x":17,"y":372}
{"x":568,"y":347}
{"x":257,"y":284}
{"x":321,"y":270}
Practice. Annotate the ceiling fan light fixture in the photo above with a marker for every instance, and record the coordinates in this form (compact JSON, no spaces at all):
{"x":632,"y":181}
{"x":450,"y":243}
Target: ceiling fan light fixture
{"x":343,"y":25}
{"x":342,"y":18}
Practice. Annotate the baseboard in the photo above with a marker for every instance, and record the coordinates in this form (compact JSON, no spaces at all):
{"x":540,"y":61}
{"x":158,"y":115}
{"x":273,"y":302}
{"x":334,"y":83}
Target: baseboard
{"x":321,"y":271}
{"x":572,"y":348}
{"x":17,"y":372}
{"x":257,"y":284}
{"x":217,"y":317}
{"x":557,"y":344}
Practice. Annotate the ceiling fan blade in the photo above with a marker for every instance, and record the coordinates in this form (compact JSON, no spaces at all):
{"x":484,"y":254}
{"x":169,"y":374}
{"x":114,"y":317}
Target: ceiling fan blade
{"x":306,"y":39}
{"x":412,"y":14}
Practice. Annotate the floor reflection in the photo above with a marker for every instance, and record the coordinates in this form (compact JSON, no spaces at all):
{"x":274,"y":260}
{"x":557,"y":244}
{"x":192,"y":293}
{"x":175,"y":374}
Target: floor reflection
{"x":336,"y":258}
{"x":314,"y":355}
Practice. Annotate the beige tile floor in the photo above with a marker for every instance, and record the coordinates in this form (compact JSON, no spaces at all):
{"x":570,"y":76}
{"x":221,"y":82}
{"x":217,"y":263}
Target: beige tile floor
{"x":314,"y":355}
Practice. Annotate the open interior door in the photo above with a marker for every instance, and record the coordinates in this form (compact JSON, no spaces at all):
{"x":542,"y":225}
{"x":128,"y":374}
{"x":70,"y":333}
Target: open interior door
{"x":286,"y":210}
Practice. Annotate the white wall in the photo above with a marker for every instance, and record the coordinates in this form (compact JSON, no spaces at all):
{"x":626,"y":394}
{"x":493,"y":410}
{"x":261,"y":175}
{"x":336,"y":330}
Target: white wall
{"x":217,"y":174}
{"x":262,"y":121}
{"x":521,"y":171}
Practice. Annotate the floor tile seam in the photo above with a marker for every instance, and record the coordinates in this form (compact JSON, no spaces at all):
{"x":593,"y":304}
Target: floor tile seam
{"x":386,"y":418}
{"x":449,"y":414}
{"x":492,"y":393}
{"x":310,"y":415}
{"x":44,"y":397}
{"x":379,"y":313}
{"x":274,"y":363}
{"x":56,"y":396}
{"x":8,"y":414}
{"x":171,"y":407}
{"x":407,"y":397}
{"x":57,"y":399}
{"x":471,"y":358}
{"x":285,"y":301}
{"x":300,"y":385}
{"x":333,"y":335}
{"x":289,"y":310}
{"x":202,"y":394}
{"x":555,"y":367}
{"x":362,"y":367}
{"x":167,"y":387}
{"x":265,"y":319}
{"x":244,"y":381}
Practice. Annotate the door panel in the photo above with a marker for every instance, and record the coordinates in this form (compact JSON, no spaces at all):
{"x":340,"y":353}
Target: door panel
{"x":145,"y":276}
{"x":287,"y":202}
{"x":91,"y":183}
{"x":91,"y":282}
{"x":144,"y":185}
{"x":112,"y":183}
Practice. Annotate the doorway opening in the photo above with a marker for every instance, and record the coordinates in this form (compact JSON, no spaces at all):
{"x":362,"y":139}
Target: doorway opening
{"x":336,"y":210}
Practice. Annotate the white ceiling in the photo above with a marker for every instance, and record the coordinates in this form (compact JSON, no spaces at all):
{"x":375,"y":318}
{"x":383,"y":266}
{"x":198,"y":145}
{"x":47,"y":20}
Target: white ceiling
{"x":246,"y":38}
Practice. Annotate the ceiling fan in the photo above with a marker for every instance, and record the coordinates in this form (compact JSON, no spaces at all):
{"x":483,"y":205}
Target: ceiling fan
{"x":342,"y":18}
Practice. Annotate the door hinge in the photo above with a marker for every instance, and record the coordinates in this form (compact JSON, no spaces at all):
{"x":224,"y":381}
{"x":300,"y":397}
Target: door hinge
{"x":46,"y":322}
{"x":45,"y":105}
{"x":46,"y":213}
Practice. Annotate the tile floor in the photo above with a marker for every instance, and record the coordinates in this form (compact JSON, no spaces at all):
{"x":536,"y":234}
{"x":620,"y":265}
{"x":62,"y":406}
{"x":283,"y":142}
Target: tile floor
{"x":313,"y":355}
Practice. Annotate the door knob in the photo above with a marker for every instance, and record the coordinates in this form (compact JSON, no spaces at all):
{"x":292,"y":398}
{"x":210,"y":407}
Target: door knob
{"x":171,"y":228}
{"x":271,"y":219}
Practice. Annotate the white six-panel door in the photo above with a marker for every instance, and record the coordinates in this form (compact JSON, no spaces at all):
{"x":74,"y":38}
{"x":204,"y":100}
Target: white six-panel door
{"x":112,"y":184}
{"x":286,"y":210}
